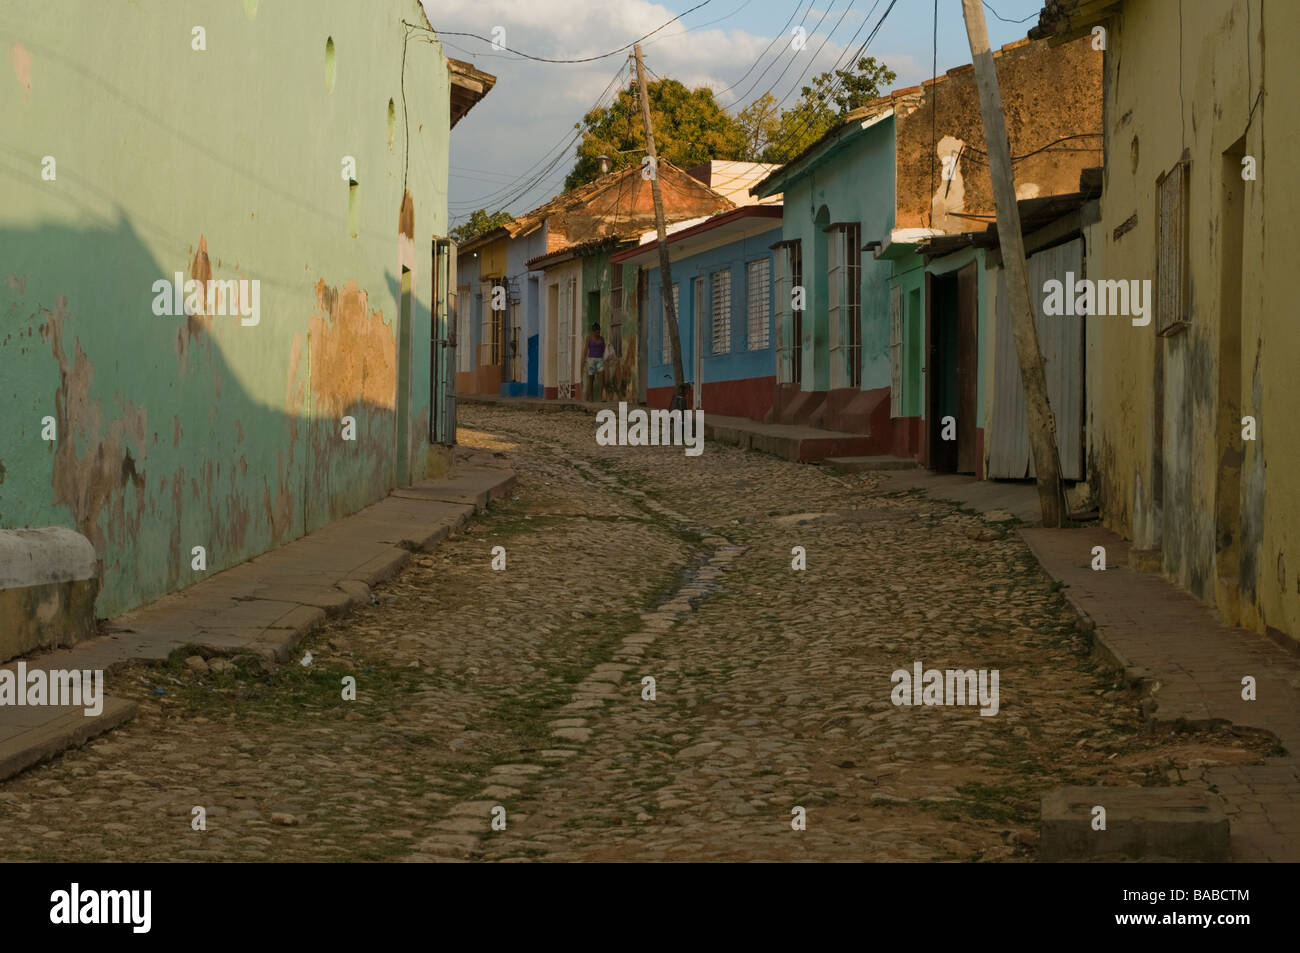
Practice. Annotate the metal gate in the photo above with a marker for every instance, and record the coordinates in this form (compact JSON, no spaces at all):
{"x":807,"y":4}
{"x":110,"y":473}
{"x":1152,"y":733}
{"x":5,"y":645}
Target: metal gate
{"x":442,"y":344}
{"x":1060,"y":338}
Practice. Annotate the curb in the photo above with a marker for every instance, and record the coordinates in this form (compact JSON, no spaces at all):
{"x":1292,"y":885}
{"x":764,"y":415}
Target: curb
{"x":32,"y":745}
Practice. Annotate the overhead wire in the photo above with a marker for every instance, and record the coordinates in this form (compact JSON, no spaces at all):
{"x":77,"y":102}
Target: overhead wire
{"x":782,"y":148}
{"x":585,"y":59}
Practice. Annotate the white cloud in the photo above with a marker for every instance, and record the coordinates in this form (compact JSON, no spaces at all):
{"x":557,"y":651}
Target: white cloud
{"x":534,"y":105}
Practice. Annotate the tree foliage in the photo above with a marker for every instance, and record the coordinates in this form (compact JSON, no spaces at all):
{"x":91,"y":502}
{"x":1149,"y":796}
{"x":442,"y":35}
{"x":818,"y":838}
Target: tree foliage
{"x":690,"y":127}
{"x":823,"y":105}
{"x":478,"y":223}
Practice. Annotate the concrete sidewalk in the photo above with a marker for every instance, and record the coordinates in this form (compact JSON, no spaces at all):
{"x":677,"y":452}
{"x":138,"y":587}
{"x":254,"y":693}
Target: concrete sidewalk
{"x":264,"y":606}
{"x":1192,"y":666}
{"x":1174,"y":646}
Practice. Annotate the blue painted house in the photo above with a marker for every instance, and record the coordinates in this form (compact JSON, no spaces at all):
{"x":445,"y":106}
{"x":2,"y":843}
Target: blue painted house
{"x":725,"y":294}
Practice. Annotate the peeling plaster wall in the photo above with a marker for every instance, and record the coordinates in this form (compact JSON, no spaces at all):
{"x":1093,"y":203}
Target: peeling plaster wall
{"x":1146,"y":135}
{"x":183,"y":431}
{"x":1047,"y":93}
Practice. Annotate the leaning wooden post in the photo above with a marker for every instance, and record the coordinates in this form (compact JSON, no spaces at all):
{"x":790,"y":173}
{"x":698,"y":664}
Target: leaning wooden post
{"x":1042,"y":425}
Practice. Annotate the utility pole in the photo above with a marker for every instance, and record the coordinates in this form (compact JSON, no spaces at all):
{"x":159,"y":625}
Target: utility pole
{"x":665,"y":270}
{"x":1042,"y":424}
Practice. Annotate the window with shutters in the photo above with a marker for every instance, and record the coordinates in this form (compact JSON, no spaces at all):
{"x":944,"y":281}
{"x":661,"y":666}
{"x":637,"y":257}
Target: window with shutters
{"x":1171,"y":250}
{"x":666,"y":343}
{"x":721,"y":338}
{"x":844,"y":285}
{"x":895,"y":351}
{"x":758,"y":314}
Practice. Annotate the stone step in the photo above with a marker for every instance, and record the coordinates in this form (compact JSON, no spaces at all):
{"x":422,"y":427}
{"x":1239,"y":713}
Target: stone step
{"x":861,"y":464}
{"x":1141,"y":824}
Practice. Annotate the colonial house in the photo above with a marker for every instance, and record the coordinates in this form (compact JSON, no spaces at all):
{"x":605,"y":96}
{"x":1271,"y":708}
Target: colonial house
{"x":1191,"y":450}
{"x":554,"y":288}
{"x":723,"y":292}
{"x":953,"y":296}
{"x":906,"y":168}
{"x":307,"y":382}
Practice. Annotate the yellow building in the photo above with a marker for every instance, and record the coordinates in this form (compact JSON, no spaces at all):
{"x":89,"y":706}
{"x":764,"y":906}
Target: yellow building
{"x":1193,"y":407}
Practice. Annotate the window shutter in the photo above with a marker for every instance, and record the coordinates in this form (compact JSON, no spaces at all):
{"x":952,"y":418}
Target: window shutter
{"x":758,"y":292}
{"x":1171,"y":250}
{"x":722,"y":312}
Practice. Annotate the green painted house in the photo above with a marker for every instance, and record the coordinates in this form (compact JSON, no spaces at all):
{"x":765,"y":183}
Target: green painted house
{"x":889,"y":343}
{"x":223,"y":285}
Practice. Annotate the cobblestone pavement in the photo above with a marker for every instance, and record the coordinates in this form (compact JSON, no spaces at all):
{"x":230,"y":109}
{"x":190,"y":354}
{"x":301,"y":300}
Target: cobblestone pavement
{"x":517,"y":697}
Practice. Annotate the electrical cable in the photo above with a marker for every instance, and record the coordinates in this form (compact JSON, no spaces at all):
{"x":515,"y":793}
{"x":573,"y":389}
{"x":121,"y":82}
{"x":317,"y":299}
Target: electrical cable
{"x":585,"y":59}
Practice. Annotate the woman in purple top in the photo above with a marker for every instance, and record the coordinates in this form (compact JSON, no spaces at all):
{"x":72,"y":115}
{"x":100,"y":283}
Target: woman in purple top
{"x":595,"y":362}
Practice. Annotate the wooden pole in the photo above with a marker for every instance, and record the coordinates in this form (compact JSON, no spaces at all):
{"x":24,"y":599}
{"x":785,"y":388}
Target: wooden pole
{"x":1042,"y":424}
{"x":665,"y":269}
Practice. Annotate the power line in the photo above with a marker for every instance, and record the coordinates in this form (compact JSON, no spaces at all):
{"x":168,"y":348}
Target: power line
{"x":779,"y":35}
{"x":700,"y":26}
{"x":585,"y":59}
{"x":776,"y":81}
{"x":782,"y":146}
{"x":999,"y":16}
{"x":508,"y":193}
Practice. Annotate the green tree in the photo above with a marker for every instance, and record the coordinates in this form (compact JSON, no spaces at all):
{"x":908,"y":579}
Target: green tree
{"x":761,"y":121}
{"x":478,"y":223}
{"x":824,"y":104}
{"x":690,"y":127}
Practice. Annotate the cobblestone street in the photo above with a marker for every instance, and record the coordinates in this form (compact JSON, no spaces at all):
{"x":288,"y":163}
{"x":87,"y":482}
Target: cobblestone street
{"x":523,"y":688}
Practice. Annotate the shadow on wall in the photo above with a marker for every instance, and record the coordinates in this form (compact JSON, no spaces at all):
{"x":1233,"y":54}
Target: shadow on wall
{"x":182,"y":432}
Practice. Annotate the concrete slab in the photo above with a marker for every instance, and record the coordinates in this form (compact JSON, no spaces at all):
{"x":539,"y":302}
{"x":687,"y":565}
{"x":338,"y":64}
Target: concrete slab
{"x":1141,"y":824}
{"x":1020,"y":499}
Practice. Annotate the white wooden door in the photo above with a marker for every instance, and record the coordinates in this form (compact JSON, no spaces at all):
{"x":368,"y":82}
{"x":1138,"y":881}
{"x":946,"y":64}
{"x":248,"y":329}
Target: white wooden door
{"x":566,"y":345}
{"x":1060,"y":338}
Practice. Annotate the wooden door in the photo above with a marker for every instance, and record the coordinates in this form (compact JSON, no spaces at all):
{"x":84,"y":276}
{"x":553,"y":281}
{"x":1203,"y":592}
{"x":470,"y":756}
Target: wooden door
{"x":967,"y":366}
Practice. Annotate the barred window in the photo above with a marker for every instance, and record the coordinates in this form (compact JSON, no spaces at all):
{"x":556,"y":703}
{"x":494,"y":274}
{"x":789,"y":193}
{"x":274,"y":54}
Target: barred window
{"x":1171,"y":250}
{"x":844,"y":275}
{"x":758,"y":316}
{"x":722,"y":312}
{"x":789,"y":320}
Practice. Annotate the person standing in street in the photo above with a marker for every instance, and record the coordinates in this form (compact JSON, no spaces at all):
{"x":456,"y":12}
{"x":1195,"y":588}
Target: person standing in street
{"x":595,"y":354}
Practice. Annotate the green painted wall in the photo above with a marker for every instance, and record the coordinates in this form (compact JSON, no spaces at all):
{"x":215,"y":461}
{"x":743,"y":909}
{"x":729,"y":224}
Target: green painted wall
{"x":854,"y":183}
{"x":176,"y":432}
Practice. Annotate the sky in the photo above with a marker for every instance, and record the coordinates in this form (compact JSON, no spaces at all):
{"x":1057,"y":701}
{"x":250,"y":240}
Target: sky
{"x":514,"y":148}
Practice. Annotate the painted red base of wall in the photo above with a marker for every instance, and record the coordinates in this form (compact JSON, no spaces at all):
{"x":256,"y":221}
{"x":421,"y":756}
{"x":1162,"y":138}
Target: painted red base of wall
{"x":750,"y":397}
{"x":790,"y":405}
{"x":550,"y":393}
